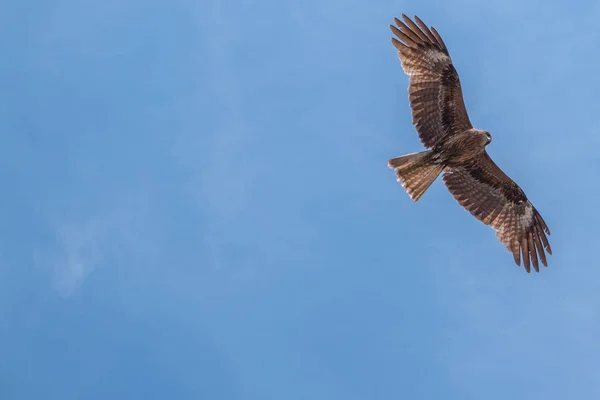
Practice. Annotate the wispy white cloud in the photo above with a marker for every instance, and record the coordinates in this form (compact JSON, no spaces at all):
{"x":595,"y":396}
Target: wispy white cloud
{"x":122,"y":235}
{"x":80,"y":248}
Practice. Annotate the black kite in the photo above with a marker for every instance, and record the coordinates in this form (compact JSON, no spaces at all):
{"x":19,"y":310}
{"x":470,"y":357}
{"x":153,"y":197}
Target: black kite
{"x":458,"y":150}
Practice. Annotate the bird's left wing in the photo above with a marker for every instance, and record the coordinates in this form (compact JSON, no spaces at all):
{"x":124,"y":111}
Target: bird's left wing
{"x":435,"y":93}
{"x":496,"y":200}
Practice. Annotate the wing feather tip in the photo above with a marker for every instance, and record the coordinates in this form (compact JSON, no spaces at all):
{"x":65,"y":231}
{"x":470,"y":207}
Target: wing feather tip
{"x":517,"y":257}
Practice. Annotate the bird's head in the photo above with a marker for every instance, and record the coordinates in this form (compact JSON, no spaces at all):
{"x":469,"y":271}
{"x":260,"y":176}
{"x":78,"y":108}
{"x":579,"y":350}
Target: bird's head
{"x":486,"y":138}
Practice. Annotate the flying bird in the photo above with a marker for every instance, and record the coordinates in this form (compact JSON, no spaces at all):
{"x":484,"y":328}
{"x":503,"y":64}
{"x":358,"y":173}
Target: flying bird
{"x":458,"y":150}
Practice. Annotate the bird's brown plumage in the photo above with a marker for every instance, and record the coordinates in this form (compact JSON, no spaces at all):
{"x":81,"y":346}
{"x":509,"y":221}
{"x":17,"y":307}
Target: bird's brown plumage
{"x":457,"y":149}
{"x":434,"y":89}
{"x":496,"y":200}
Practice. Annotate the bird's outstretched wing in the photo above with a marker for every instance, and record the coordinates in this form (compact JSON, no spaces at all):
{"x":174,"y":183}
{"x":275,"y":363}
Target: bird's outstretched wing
{"x":495,"y":199}
{"x":435,"y":94}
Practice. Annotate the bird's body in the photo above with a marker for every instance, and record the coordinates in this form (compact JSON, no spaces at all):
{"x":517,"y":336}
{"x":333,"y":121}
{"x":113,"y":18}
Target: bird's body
{"x":461,"y":148}
{"x":458,"y":150}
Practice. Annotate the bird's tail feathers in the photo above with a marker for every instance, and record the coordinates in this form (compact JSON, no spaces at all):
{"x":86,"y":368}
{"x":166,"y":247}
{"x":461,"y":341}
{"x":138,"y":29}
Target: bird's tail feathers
{"x":416,"y":172}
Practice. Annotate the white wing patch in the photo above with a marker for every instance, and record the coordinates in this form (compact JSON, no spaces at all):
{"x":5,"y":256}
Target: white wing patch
{"x":437,"y":56}
{"x":526,"y":219}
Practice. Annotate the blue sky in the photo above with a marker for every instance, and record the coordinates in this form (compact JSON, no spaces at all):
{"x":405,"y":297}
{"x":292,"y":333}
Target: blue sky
{"x":197,"y":204}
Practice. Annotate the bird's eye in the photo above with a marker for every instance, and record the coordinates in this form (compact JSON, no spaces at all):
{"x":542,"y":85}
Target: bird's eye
{"x":489,"y":137}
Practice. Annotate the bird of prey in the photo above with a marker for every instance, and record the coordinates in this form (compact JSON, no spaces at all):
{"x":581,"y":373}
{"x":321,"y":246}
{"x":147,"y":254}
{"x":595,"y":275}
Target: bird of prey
{"x":457,"y":149}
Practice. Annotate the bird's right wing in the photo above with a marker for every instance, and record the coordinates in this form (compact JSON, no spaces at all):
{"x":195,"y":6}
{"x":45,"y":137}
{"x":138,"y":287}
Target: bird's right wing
{"x":435,"y":94}
{"x":496,"y":200}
